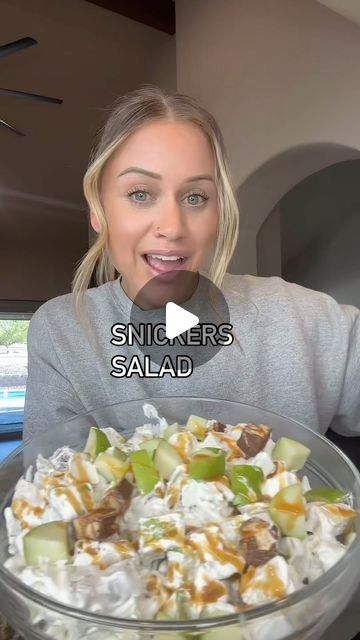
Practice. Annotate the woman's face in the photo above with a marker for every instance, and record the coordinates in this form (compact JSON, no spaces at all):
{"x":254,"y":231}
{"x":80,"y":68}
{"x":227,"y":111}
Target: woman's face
{"x":159,"y":197}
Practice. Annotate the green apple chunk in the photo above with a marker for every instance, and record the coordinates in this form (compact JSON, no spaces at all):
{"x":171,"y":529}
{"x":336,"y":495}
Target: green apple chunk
{"x":225,"y":633}
{"x":240,"y":500}
{"x":287,"y":509}
{"x":117,"y":453}
{"x":182,"y":603}
{"x":170,"y":430}
{"x":166,"y":459}
{"x":48,"y":542}
{"x":170,"y":635}
{"x":141,"y":456}
{"x":146,"y":478}
{"x":150,"y":446}
{"x":162,"y":616}
{"x":97,"y":442}
{"x":112,"y":468}
{"x":324,"y":494}
{"x":292,"y":453}
{"x":208,"y":462}
{"x":197,"y":426}
{"x":146,"y":475}
{"x":209,"y":612}
{"x":246,"y":481}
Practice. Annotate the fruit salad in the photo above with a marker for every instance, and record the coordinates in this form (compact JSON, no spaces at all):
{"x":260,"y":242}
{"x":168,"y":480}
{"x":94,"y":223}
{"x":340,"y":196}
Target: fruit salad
{"x":180,"y":521}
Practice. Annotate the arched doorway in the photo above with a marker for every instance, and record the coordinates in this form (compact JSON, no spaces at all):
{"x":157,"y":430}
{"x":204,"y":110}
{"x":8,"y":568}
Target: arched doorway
{"x":311,"y":236}
{"x":262,"y":191}
{"x":311,"y":231}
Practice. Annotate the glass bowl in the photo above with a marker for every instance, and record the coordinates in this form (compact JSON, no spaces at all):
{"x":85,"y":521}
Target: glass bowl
{"x":303,"y":615}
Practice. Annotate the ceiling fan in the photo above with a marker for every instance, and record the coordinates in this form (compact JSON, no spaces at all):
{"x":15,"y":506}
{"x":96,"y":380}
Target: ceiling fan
{"x":7,"y":50}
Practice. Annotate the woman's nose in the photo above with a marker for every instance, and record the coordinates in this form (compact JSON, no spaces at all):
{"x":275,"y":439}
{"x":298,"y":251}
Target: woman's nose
{"x":170,"y":221}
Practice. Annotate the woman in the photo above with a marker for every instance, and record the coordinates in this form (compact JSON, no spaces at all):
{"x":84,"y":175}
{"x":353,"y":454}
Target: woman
{"x":158,"y":187}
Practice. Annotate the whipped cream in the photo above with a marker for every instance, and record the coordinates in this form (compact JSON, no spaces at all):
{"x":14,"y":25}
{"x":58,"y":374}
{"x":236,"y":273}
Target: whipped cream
{"x":182,"y":550}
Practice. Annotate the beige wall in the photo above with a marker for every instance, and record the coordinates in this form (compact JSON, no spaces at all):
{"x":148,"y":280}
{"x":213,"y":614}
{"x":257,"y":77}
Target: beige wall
{"x":88,"y":56}
{"x":283,"y":79}
{"x":40,"y":242}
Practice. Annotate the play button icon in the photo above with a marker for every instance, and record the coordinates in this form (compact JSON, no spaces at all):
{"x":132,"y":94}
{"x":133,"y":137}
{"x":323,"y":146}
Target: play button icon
{"x":174,"y":324}
{"x":178,"y":320}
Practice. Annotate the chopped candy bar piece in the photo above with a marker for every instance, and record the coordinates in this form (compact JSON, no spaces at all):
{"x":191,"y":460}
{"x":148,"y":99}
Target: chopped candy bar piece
{"x":253,"y":439}
{"x":258,"y":540}
{"x":96,"y":525}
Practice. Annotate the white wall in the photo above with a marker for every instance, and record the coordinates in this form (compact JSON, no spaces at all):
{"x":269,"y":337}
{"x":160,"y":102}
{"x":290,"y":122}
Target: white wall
{"x":283,"y":80}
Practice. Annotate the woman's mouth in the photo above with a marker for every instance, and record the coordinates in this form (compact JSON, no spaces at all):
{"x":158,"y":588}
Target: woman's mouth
{"x":159,"y":264}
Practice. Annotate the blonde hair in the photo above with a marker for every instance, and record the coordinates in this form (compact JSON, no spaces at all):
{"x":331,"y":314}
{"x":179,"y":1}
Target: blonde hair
{"x":131,"y":111}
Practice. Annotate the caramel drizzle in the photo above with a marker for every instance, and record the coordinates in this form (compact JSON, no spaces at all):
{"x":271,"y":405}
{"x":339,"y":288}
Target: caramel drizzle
{"x":210,"y":593}
{"x":339,"y":510}
{"x":271,"y":586}
{"x":173,"y":495}
{"x":86,"y":496}
{"x":54,"y":481}
{"x":231,"y":443}
{"x":174,"y":568}
{"x":225,"y":555}
{"x":291,"y":509}
{"x":124,"y":548}
{"x":66,"y":491}
{"x":182,"y":439}
{"x":19,"y":506}
{"x":222,"y":479}
{"x":82,"y":474}
{"x":95,"y":558}
{"x":172,"y":534}
{"x":159,"y":491}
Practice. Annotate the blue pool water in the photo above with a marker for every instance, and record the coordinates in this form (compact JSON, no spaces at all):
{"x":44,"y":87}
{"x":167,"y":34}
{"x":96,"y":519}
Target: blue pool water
{"x":15,"y":393}
{"x":7,"y":447}
{"x":11,"y":419}
{"x":11,"y":408}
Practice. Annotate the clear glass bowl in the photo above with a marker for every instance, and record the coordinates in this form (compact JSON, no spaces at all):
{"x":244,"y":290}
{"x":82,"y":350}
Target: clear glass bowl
{"x":304,"y":615}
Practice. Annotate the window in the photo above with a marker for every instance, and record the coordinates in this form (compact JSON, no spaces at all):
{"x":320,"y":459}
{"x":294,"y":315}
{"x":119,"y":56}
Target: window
{"x":14,"y":323}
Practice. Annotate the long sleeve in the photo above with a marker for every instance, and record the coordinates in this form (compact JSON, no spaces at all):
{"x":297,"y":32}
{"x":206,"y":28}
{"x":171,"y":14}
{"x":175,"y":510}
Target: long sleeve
{"x":50,"y":397}
{"x":347,"y":419}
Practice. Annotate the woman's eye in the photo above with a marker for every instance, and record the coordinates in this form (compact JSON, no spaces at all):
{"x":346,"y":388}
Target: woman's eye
{"x":196,"y":199}
{"x":139,"y":195}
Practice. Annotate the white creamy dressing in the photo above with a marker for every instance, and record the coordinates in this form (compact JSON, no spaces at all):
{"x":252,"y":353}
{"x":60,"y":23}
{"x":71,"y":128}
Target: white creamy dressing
{"x":185,"y":532}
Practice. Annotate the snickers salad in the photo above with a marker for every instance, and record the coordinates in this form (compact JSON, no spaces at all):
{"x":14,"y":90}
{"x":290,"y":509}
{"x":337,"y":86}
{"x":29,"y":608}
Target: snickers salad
{"x":180,"y":521}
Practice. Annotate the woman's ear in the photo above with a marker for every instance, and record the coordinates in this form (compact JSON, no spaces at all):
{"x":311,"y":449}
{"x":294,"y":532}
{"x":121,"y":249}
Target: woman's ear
{"x":94,"y":222}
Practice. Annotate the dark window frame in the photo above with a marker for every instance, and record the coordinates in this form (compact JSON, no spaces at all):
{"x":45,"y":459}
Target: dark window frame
{"x":23,"y":310}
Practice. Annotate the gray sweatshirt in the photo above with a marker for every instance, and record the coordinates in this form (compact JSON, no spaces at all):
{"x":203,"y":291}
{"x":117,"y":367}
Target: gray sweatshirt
{"x":299,"y":356}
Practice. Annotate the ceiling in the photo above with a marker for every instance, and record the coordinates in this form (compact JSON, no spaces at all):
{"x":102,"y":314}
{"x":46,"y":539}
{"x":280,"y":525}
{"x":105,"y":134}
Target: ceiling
{"x":85,"y":55}
{"x":159,"y":14}
{"x":348,"y":8}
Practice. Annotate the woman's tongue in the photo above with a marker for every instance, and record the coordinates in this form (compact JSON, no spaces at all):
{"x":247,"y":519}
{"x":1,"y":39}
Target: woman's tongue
{"x":163,"y":265}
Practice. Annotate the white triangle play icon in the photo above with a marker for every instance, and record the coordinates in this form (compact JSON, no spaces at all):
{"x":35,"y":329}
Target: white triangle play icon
{"x":178,"y":320}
